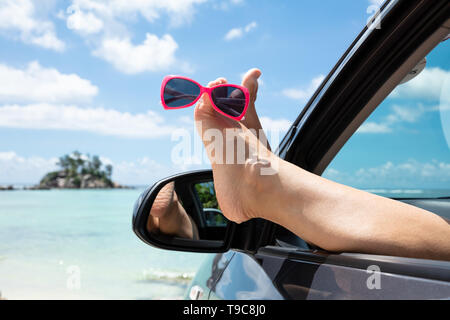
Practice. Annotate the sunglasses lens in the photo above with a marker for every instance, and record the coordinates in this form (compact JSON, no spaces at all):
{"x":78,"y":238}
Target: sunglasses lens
{"x":229,"y":100}
{"x":180,"y":93}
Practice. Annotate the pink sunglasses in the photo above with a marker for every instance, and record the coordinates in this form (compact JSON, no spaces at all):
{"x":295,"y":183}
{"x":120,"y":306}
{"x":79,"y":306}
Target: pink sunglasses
{"x":228,"y":99}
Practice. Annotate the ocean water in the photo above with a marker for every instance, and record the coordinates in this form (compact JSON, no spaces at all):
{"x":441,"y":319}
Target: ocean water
{"x":78,"y":244}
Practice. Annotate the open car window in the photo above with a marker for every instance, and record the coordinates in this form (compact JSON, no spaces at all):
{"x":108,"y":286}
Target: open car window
{"x":403,"y":148}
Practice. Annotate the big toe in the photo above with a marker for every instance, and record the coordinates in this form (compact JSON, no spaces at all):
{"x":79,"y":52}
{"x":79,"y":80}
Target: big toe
{"x":250,"y":79}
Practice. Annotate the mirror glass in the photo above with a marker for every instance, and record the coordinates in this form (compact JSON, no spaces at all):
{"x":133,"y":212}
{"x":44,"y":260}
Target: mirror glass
{"x":187,"y":210}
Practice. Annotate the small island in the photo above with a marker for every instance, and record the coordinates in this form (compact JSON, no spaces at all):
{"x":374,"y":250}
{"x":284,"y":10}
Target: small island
{"x":78,"y":171}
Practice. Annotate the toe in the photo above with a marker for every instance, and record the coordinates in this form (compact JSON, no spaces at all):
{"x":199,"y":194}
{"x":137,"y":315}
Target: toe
{"x":250,"y":81}
{"x":217,"y":82}
{"x":251,"y":77}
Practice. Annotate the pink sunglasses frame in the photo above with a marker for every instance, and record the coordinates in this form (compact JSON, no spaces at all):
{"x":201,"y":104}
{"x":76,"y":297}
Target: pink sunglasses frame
{"x":208,"y":91}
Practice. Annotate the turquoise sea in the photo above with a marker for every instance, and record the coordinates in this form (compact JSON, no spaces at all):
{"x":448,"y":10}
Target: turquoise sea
{"x":78,"y":244}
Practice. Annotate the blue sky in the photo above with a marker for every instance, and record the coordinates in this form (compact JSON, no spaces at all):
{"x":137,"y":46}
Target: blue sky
{"x":85,"y":75}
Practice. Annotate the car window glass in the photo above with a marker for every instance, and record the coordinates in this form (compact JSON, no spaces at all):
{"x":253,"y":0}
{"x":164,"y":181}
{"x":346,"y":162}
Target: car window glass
{"x":402,"y":150}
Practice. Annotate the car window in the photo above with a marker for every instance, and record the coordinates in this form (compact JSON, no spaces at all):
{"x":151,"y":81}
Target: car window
{"x":402,"y":149}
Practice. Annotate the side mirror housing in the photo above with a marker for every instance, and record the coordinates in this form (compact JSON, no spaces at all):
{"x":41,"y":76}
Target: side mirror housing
{"x":181,"y":213}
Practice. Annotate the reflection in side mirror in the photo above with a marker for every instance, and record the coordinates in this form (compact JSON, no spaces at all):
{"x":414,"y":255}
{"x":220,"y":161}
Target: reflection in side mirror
{"x":190,"y":213}
{"x":214,"y":218}
{"x":182,"y":213}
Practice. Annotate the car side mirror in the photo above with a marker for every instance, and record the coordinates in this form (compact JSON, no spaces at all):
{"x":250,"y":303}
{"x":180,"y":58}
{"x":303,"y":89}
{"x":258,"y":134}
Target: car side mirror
{"x":182,"y":213}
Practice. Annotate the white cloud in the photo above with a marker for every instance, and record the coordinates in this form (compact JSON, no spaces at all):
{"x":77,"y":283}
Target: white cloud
{"x":400,"y":114}
{"x":227,"y":4}
{"x":234,"y":34}
{"x":275,"y":129}
{"x":96,"y":120}
{"x":407,"y":171}
{"x":18,"y":20}
{"x":373,"y":127}
{"x":112,"y":13}
{"x":35,"y":83}
{"x":142,"y":171}
{"x":405,"y":114}
{"x":408,"y":174}
{"x":18,"y":169}
{"x":275,"y":125}
{"x":331,"y":173}
{"x":378,"y":3}
{"x":303,"y":94}
{"x":84,"y":23}
{"x":237,"y":33}
{"x":430,"y":86}
{"x":104,"y":24}
{"x":154,"y":54}
{"x":250,"y":26}
{"x":427,"y":85}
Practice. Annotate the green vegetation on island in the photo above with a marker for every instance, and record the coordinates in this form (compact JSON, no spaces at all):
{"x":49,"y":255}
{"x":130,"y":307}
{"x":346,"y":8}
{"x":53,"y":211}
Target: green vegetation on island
{"x":78,"y":171}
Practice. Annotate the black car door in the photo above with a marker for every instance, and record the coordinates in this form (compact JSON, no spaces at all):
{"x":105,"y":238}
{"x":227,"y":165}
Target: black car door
{"x":368,"y":72}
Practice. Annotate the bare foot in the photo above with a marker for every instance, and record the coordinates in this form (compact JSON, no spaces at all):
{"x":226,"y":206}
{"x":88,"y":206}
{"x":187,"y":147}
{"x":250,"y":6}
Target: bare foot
{"x":238,"y":184}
